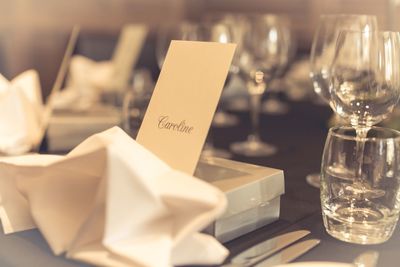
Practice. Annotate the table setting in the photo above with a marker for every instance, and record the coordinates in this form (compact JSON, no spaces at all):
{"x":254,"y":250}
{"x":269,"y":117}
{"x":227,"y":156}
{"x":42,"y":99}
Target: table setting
{"x":145,"y":192}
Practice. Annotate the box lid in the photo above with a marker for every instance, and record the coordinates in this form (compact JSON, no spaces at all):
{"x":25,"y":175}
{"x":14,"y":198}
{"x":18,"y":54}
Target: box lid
{"x":246,"y":186}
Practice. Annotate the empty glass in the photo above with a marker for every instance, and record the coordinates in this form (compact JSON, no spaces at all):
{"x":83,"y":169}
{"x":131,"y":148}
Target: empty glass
{"x":136,"y":100}
{"x":365,"y":76}
{"x":368,"y":214}
{"x":264,"y":53}
{"x":221,"y":29}
{"x":273,"y":105}
{"x":185,"y":30}
{"x":322,"y":54}
{"x":365,"y":81}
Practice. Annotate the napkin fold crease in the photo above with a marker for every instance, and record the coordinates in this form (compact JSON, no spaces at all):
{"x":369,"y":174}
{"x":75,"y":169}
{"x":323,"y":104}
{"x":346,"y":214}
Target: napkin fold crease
{"x":111,"y":202}
{"x":21,"y":109}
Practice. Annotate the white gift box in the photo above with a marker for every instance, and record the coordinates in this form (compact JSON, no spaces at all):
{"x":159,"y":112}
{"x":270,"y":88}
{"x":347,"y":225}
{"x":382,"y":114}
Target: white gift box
{"x":253,"y":193}
{"x":68,"y":129}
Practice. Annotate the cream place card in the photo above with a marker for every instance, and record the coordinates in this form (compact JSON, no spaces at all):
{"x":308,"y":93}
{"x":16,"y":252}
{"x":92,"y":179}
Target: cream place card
{"x":184,"y":101}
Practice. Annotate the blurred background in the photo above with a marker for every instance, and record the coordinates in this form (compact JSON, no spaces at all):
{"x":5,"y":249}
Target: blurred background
{"x":33,"y":33}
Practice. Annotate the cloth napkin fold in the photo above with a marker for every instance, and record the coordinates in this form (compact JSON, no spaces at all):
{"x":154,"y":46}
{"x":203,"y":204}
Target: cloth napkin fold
{"x":21,"y":109}
{"x":88,"y":79}
{"x":111,"y":202}
{"x":82,"y":90}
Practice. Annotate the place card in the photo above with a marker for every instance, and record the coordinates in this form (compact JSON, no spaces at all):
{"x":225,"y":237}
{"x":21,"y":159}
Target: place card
{"x":184,"y":101}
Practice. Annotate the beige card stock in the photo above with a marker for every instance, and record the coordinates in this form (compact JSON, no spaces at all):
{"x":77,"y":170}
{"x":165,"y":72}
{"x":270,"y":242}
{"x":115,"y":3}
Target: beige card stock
{"x":184,"y":101}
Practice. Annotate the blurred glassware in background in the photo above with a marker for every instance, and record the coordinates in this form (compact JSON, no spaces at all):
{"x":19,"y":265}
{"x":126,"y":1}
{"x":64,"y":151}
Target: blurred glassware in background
{"x":354,"y":214}
{"x":264,"y":53}
{"x":185,"y":30}
{"x":273,"y":105}
{"x":214,"y":29}
{"x":224,"y":29}
{"x":322,"y":54}
{"x":297,"y":81}
{"x":136,"y":100}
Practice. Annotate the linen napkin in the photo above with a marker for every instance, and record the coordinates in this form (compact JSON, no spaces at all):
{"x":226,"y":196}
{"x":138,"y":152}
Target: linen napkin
{"x":81,"y":93}
{"x":111,"y":202}
{"x":88,"y":79}
{"x":21,"y":109}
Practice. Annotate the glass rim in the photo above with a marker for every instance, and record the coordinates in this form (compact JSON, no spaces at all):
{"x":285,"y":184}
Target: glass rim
{"x":395,"y":134}
{"x":384,"y":32}
{"x":342,"y":15}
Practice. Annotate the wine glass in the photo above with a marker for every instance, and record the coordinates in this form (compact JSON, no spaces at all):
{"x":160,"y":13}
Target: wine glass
{"x":264,"y":52}
{"x":365,"y":85}
{"x":191,"y":31}
{"x":273,"y":105}
{"x":185,"y":30}
{"x":221,"y":29}
{"x":322,"y":52}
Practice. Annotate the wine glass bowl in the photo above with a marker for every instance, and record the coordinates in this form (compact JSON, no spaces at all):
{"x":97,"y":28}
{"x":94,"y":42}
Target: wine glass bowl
{"x":365,"y":76}
{"x":221,"y":29}
{"x":324,"y":42}
{"x":263,"y":53}
{"x":185,"y":30}
{"x":322,"y":55}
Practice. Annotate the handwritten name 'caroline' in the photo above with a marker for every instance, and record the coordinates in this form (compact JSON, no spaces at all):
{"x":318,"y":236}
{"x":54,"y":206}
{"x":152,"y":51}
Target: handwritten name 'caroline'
{"x":165,"y":123}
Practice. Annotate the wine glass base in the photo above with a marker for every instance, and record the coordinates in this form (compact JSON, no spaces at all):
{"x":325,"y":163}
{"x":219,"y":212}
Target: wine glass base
{"x":238,"y":105}
{"x":251,"y":148}
{"x":222,"y":119}
{"x":314,"y":179}
{"x":215,"y":152}
{"x":275,"y":106}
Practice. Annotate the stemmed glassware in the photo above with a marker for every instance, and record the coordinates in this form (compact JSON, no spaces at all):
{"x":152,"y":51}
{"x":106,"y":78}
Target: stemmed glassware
{"x":322,"y":53}
{"x":365,"y":85}
{"x":189,"y":31}
{"x":213,"y":29}
{"x":221,"y":29}
{"x":273,"y":105}
{"x":264,"y":52}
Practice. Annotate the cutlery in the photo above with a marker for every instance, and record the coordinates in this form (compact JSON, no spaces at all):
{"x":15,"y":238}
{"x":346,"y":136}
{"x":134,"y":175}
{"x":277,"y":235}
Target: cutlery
{"x":367,"y":259}
{"x":289,"y":254}
{"x":268,"y":247}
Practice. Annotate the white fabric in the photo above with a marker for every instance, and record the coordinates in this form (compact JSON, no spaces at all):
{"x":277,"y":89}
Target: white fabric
{"x":81,"y":91}
{"x":111,"y":202}
{"x":89,"y":78}
{"x":21,"y":109}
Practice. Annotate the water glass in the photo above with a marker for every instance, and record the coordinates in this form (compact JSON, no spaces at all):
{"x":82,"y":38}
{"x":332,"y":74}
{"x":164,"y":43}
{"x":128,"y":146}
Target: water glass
{"x":366,"y":210}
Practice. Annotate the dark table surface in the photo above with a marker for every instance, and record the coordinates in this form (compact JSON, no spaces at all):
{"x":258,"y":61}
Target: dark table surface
{"x":299,"y":136}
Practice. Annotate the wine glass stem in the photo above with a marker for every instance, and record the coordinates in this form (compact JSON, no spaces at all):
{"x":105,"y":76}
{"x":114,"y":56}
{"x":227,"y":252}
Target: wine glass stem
{"x":255,"y":102}
{"x":361,"y":133}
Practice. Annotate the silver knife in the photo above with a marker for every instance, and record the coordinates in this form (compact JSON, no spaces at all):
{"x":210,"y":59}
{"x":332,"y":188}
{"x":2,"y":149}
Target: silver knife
{"x":367,"y":259}
{"x":268,"y":247}
{"x":289,"y":254}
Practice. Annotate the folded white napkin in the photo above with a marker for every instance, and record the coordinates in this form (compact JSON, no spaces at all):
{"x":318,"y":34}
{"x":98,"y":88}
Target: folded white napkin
{"x":89,"y":78}
{"x":21,"y":113}
{"x":81,"y":91}
{"x":111,"y":202}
